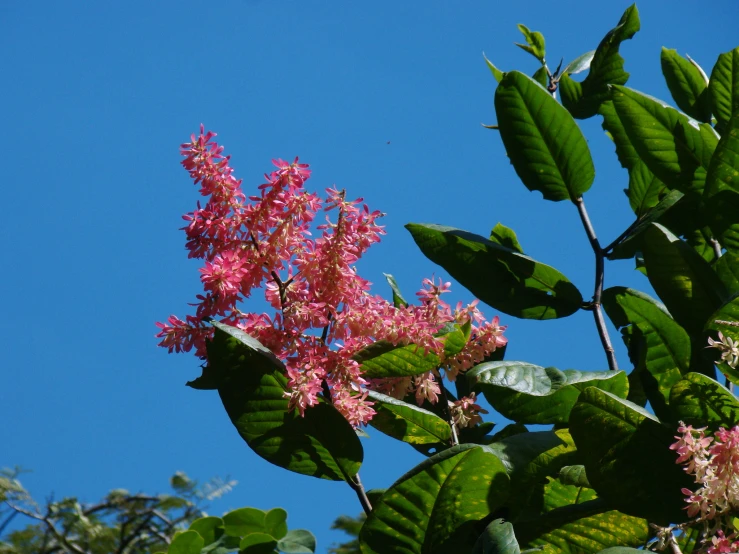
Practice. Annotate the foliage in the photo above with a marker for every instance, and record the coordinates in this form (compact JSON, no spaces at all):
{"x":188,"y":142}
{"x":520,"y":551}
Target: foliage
{"x":298,"y":383}
{"x":125,"y":523}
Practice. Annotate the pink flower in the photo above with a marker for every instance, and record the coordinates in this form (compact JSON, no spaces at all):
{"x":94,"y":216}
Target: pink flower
{"x":465,"y":413}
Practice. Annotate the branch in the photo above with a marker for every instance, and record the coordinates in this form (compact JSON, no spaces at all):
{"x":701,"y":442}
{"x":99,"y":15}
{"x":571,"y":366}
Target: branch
{"x":599,"y":278}
{"x":50,"y":525}
{"x":359,"y":489}
{"x":448,"y":412}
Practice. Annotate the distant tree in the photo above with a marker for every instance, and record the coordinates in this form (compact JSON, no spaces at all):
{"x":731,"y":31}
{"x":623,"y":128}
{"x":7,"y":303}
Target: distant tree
{"x":351,"y":526}
{"x":120,"y":523}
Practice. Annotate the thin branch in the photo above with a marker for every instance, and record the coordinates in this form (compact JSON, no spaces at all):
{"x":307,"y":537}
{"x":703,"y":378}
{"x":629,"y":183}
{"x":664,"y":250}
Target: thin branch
{"x":7,"y":521}
{"x":599,"y":279}
{"x":448,"y":413}
{"x":50,"y":525}
{"x":356,"y":484}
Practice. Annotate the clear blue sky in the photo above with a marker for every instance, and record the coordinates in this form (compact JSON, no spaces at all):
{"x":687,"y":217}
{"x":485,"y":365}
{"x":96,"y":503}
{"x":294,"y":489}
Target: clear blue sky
{"x":99,"y":95}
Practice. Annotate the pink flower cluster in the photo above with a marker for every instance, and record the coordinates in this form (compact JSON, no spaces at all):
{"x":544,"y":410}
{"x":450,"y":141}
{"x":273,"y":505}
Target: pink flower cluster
{"x":714,"y":461}
{"x":324,"y":312}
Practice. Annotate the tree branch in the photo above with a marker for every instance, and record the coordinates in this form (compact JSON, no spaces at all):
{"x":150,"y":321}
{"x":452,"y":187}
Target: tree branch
{"x":599,"y":279}
{"x":359,"y":489}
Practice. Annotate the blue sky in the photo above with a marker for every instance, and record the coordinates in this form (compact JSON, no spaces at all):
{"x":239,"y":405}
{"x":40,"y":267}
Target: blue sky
{"x":98,"y":97}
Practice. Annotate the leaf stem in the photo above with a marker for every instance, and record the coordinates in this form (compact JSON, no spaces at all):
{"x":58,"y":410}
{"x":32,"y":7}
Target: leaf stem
{"x":599,"y":279}
{"x":448,"y":413}
{"x":356,"y":484}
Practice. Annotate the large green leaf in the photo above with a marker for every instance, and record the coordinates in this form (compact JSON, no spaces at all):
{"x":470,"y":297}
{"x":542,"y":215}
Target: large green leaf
{"x":187,"y":542}
{"x":606,"y":68}
{"x":506,"y":280}
{"x":574,"y":521}
{"x":675,"y":148}
{"x":684,"y":281}
{"x":297,"y":541}
{"x":383,"y":359}
{"x":406,"y":422}
{"x":727,"y":269}
{"x":210,"y":528}
{"x":497,"y":538}
{"x":252,"y":387}
{"x":666,"y":344}
{"x":724,"y":87}
{"x":700,"y":401}
{"x":545,"y":145}
{"x":626,"y":454}
{"x":528,"y":393}
{"x":434,"y":508}
{"x":687,"y":85}
{"x":722,"y":187}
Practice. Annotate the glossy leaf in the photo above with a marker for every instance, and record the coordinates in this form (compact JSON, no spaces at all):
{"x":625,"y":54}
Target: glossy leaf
{"x":505,"y":237}
{"x":545,"y":145}
{"x":724,"y":87}
{"x":297,"y":541}
{"x":666,"y":344}
{"x":535,"y":44}
{"x":700,"y":401}
{"x":541,"y":76}
{"x":252,"y":387}
{"x":434,"y":521}
{"x":675,"y":148}
{"x":626,"y":454}
{"x":575,"y":521}
{"x":528,"y":393}
{"x":506,"y":280}
{"x":187,"y":542}
{"x":498,"y":538}
{"x":579,"y":64}
{"x":722,"y":187}
{"x":606,"y":68}
{"x":406,"y":422}
{"x":687,"y":85}
{"x":684,"y":281}
{"x":383,"y":359}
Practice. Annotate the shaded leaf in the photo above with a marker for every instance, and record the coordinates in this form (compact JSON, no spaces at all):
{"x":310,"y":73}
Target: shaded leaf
{"x":606,"y":68}
{"x":505,"y":237}
{"x":626,"y":454}
{"x":727,"y":269}
{"x":545,"y":145}
{"x":722,"y":186}
{"x":433,"y":520}
{"x":252,"y":387}
{"x":506,"y":280}
{"x":721,"y":321}
{"x":574,"y":475}
{"x":687,"y":85}
{"x":257,"y":543}
{"x":673,"y":147}
{"x":210,"y":528}
{"x":298,"y":541}
{"x":498,"y":538}
{"x":700,"y":401}
{"x":528,"y":393}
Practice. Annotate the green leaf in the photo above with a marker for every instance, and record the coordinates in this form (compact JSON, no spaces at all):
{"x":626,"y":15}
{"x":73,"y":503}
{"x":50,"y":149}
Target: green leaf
{"x":406,"y":422}
{"x":505,"y":237}
{"x":614,"y":128}
{"x":534,"y":42}
{"x":573,"y":520}
{"x":383,"y":359}
{"x":626,"y":454}
{"x":433,"y":508}
{"x":700,"y":401}
{"x":724,"y":87}
{"x":545,"y":145}
{"x":673,"y":147}
{"x":528,"y":393}
{"x":621,"y":550}
{"x":497,"y":73}
{"x":684,"y":281}
{"x":257,"y":543}
{"x":722,"y":186}
{"x":210,"y":528}
{"x":506,"y":280}
{"x":398,"y":300}
{"x":606,"y":68}
{"x":252,"y":387}
{"x":727,"y":269}
{"x":187,"y":542}
{"x":498,"y":538}
{"x":541,"y":76}
{"x":579,"y":64}
{"x":244,"y":521}
{"x":520,"y":452}
{"x":574,"y":475}
{"x":666,"y":344}
{"x":298,"y":541}
{"x":275,"y":522}
{"x":632,"y":239}
{"x":687,"y":85}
